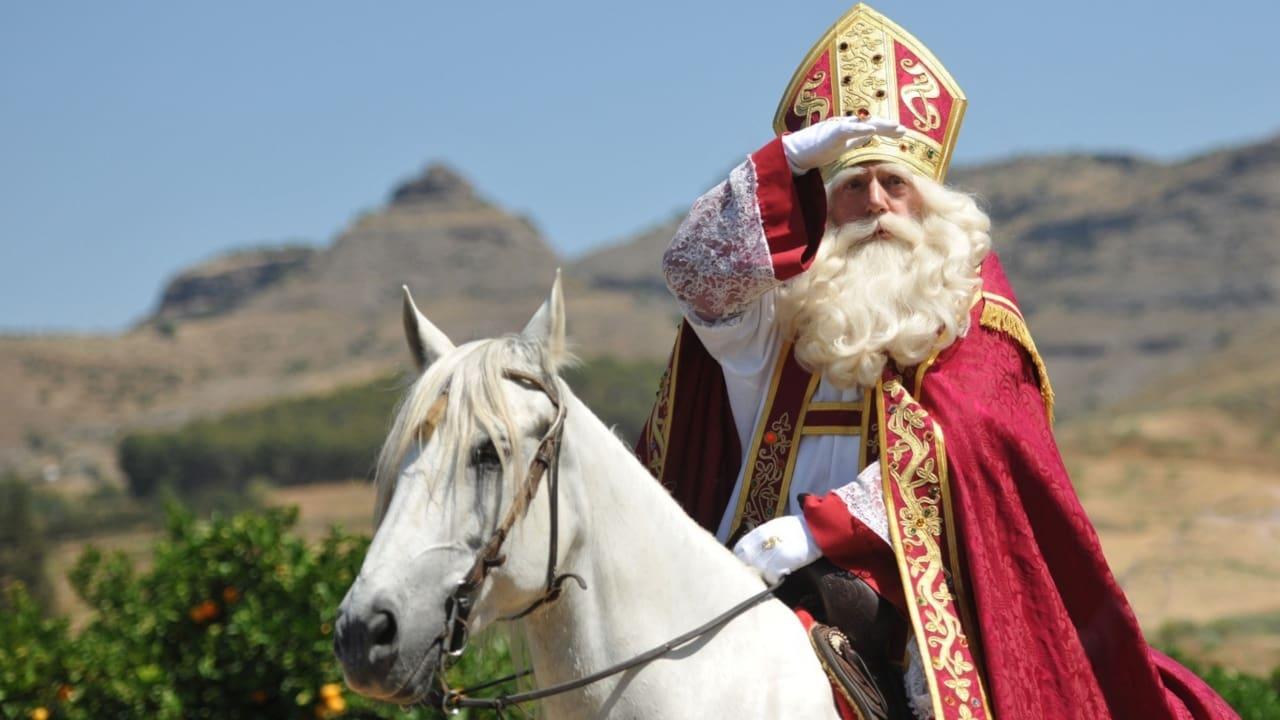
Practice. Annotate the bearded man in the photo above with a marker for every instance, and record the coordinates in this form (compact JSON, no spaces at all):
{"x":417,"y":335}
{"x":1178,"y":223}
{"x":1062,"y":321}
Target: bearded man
{"x":855,"y":387}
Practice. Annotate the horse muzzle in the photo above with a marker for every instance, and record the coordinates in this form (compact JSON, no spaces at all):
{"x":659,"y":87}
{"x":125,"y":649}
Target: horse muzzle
{"x":381,"y":657}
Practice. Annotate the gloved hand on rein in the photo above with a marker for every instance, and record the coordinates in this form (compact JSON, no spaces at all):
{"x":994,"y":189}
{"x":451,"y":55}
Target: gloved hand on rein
{"x":778,"y":547}
{"x":823,"y":143}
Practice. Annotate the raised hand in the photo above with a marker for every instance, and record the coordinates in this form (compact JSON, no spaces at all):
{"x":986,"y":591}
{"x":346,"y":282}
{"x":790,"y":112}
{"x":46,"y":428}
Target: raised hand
{"x":823,"y":143}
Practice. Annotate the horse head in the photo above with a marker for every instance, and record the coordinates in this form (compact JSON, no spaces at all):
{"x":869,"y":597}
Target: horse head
{"x":456,"y":467}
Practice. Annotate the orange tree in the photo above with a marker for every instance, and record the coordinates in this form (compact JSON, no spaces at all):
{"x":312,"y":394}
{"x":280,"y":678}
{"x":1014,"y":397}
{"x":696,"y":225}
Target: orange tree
{"x":233,"y":619}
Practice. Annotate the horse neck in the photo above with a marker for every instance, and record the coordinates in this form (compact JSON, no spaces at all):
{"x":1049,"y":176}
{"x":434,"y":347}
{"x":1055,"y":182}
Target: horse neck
{"x":651,"y":571}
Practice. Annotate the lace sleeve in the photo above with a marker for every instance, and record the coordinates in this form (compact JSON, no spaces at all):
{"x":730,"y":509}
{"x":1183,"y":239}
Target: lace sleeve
{"x":718,"y":262}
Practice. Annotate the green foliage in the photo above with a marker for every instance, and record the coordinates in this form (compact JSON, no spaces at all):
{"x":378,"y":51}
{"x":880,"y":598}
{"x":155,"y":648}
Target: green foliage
{"x":22,"y":548}
{"x":314,"y":439}
{"x":106,"y":509}
{"x":232,"y":620}
{"x":335,"y":436}
{"x":32,"y":651}
{"x":1254,"y":698}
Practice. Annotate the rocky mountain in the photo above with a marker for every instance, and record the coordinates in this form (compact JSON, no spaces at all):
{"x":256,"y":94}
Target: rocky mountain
{"x":226,"y":282}
{"x":255,"y":325}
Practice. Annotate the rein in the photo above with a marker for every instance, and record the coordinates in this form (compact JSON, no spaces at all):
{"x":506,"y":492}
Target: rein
{"x":460,"y":603}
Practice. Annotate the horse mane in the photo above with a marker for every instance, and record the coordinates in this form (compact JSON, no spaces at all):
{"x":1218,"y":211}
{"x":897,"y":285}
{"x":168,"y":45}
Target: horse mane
{"x":469,"y":381}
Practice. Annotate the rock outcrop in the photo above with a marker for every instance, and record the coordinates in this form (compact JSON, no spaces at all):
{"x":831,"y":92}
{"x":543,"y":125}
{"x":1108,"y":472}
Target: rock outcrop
{"x":225,"y":283}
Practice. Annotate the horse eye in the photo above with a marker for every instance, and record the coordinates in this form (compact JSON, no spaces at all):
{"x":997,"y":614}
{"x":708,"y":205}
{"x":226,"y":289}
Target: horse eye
{"x":485,"y":456}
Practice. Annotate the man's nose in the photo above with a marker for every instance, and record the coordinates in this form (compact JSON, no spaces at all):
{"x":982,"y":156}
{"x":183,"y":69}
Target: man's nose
{"x":877,"y":200}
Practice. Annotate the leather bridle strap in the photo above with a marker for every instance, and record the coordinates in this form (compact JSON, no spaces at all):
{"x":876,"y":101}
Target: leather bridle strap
{"x":546,"y":460}
{"x":453,"y":700}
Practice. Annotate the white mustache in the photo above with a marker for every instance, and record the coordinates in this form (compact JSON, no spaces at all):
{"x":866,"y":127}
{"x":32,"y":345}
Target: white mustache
{"x":856,"y":232}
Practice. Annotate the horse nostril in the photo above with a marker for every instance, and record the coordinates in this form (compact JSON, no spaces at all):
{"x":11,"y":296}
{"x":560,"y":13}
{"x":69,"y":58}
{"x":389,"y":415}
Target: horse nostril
{"x":382,"y":628}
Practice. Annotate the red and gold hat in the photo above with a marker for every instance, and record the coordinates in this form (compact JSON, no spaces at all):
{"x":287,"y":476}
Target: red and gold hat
{"x":867,"y":66}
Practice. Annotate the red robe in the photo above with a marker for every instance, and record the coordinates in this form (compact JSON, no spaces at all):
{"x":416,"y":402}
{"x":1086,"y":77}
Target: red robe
{"x":1022,"y":573}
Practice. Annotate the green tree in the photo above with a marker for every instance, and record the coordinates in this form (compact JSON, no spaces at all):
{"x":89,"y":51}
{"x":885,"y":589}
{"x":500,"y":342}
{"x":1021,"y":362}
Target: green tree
{"x":22,"y":549}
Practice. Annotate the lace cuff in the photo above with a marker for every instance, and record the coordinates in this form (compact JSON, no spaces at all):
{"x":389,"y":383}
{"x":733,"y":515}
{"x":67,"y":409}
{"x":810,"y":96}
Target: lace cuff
{"x":865,"y":500}
{"x":718,"y":263}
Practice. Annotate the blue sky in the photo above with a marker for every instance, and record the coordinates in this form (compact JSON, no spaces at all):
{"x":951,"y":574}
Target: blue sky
{"x":138,"y":138}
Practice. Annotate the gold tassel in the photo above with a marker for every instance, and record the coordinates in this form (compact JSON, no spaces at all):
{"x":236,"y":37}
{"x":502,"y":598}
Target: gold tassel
{"x":1000,"y":318}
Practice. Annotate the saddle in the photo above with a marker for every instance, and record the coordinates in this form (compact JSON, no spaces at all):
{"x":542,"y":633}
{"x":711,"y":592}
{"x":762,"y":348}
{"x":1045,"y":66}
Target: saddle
{"x":856,"y":637}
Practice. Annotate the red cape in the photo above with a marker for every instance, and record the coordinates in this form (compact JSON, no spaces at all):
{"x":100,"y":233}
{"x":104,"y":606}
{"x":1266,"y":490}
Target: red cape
{"x":1057,"y":636}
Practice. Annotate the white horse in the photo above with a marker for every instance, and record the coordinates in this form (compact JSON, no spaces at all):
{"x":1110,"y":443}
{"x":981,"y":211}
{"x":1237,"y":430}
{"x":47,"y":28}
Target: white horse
{"x":451,"y":468}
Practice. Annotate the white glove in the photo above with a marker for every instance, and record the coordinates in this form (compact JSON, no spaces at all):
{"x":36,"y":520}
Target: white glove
{"x":823,"y":143}
{"x":778,"y":547}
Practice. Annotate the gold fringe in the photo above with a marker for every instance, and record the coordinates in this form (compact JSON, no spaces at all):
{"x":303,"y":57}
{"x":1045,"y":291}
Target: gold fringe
{"x":1003,"y":319}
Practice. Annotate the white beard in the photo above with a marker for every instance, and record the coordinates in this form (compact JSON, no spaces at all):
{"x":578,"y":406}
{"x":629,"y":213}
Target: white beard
{"x":868,"y":298}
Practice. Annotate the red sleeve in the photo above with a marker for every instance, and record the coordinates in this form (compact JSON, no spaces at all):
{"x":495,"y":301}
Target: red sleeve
{"x":793,"y":210}
{"x":853,"y":546}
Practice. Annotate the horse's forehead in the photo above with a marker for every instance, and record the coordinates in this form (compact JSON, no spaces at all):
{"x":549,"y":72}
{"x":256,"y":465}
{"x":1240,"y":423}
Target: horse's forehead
{"x":512,"y":353}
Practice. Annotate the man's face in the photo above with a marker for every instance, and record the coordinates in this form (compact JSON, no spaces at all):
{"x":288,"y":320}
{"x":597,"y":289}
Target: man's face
{"x":872,"y":190}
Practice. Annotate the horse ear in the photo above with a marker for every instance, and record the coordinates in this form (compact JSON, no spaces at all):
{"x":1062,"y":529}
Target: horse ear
{"x":547,"y":325}
{"x":426,"y":342}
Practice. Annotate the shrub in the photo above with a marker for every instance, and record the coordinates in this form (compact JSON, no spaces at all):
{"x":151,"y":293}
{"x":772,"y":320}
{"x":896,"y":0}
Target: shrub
{"x":232,"y":620}
{"x":1254,"y":698}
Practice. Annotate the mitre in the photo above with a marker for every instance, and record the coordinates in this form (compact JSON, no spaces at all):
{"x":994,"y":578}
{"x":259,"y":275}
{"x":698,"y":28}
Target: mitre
{"x":865,"y":65}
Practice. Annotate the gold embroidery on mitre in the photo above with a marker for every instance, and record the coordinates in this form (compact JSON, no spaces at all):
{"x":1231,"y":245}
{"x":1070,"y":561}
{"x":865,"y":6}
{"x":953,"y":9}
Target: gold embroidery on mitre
{"x":923,"y":88}
{"x":808,"y":103}
{"x":862,"y":54}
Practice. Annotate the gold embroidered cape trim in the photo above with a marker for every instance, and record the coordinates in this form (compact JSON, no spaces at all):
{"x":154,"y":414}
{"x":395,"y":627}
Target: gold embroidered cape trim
{"x":1002,"y":315}
{"x":660,"y":416}
{"x":921,"y":526}
{"x":766,"y":479}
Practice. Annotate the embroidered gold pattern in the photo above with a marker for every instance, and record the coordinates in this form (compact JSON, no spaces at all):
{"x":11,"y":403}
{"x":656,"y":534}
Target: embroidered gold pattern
{"x":923,"y":88}
{"x":809,"y":103}
{"x":660,"y":418}
{"x":913,"y":464}
{"x":863,"y":79}
{"x":769,"y":466}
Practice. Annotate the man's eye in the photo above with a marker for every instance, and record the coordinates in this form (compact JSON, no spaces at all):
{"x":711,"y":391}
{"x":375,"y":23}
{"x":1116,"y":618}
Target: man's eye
{"x":893,"y":180}
{"x":485,"y":456}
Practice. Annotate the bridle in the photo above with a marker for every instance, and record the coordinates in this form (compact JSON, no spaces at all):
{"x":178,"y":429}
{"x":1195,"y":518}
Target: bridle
{"x":460,"y":603}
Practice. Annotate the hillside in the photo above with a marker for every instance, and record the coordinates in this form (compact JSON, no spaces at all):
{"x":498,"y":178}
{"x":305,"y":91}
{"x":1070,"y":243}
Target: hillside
{"x":1129,"y":270}
{"x":1183,"y":483}
{"x":243,"y":329}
